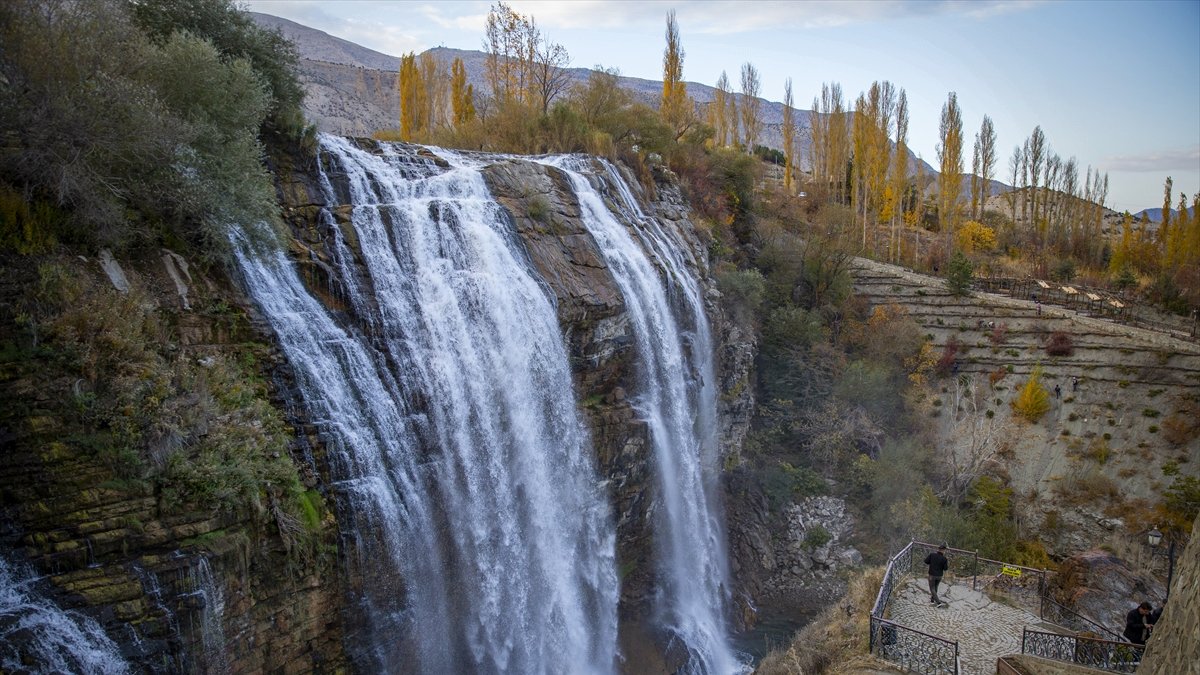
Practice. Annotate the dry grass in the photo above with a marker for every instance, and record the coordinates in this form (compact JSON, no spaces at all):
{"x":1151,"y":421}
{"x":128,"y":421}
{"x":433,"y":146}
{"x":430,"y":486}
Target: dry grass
{"x":836,"y":640}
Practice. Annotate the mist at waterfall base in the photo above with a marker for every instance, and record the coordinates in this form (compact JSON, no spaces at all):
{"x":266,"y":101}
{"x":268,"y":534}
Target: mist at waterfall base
{"x":38,"y":636}
{"x":481,"y":539}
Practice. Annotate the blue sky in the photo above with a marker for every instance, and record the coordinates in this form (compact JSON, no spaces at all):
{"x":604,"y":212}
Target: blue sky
{"x":1114,"y":84}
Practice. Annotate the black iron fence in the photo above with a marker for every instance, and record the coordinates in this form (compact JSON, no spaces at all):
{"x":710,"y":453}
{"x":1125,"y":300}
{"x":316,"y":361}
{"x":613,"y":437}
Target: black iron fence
{"x":913,"y":650}
{"x":1020,"y":586}
{"x":1110,"y":655}
{"x":897,"y":568}
{"x":916,"y":651}
{"x":1072,"y":620}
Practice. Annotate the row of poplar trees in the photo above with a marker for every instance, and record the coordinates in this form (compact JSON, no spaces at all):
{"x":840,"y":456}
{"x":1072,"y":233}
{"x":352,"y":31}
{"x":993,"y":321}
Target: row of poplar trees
{"x":525,"y":71}
{"x":859,"y":156}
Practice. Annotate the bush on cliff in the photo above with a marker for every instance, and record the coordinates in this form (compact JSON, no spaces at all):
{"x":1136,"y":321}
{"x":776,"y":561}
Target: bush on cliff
{"x":198,"y":433}
{"x":143,"y":132}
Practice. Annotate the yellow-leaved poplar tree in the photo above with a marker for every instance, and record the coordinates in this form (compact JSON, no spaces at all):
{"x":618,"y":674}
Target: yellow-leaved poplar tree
{"x":462,"y":94}
{"x":1033,"y":400}
{"x":675,"y":105}
{"x":949,"y":151}
{"x":410,"y":93}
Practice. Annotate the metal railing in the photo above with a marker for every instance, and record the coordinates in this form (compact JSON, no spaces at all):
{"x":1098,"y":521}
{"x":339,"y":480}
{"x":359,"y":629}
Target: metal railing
{"x":1025,"y":587}
{"x":912,"y":649}
{"x":897,"y":568}
{"x":1020,"y":586}
{"x":916,"y":651}
{"x":1055,"y":613}
{"x":1111,"y":655}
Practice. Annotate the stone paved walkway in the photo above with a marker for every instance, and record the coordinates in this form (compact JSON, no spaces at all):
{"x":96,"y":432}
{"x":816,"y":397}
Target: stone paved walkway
{"x":985,"y":629}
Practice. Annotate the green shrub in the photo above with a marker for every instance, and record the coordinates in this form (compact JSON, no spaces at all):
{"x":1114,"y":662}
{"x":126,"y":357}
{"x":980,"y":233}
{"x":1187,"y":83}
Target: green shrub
{"x":539,"y":208}
{"x":816,"y":537}
{"x":959,"y":274}
{"x":742,"y":293}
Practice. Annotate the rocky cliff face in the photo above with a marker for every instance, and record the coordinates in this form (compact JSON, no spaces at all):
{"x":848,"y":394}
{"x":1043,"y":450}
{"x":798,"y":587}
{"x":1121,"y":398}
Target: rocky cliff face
{"x":111,"y":482}
{"x":1173,"y":648}
{"x":126,"y":385}
{"x":594,"y":320}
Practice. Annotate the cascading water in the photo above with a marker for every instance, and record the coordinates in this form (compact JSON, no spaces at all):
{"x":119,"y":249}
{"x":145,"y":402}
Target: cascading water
{"x":211,"y":601}
{"x":38,"y":636}
{"x":484,"y":543}
{"x":677,"y":400}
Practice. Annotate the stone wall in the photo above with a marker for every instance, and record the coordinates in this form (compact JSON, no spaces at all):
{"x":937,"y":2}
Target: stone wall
{"x":1174,"y":648}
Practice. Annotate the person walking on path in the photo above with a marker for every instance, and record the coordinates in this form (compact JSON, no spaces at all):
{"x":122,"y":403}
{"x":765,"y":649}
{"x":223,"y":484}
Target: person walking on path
{"x":1135,"y":623}
{"x":937,"y":563}
{"x":1074,"y":383}
{"x":1058,"y":391}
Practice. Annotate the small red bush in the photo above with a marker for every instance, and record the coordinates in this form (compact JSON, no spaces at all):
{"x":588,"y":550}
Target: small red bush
{"x":1060,"y":344}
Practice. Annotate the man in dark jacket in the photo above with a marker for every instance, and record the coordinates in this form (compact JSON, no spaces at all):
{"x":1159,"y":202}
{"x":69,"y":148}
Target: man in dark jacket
{"x":937,"y":567}
{"x":1135,"y":623}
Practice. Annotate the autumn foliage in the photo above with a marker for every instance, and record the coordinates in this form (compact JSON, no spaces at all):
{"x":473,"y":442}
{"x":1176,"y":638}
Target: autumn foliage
{"x":1033,"y":400}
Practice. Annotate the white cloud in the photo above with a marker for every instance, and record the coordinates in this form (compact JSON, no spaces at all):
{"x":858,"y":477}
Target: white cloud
{"x":1187,"y":159}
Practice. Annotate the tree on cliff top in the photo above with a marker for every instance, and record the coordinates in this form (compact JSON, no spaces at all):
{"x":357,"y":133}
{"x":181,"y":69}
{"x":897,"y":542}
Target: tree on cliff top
{"x":147,"y":132}
{"x":676,"y":107}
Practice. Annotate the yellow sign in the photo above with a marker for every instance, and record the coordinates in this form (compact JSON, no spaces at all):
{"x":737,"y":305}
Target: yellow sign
{"x":1010,"y":571}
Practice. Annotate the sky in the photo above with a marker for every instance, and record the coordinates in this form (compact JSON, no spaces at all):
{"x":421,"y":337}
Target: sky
{"x":1114,"y":84}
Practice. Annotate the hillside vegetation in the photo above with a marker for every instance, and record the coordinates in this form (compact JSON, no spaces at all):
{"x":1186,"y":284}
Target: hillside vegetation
{"x":149,"y":133}
{"x":145,"y":132}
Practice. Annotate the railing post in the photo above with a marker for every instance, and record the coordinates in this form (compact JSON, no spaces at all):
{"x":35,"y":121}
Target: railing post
{"x":1043,"y":588}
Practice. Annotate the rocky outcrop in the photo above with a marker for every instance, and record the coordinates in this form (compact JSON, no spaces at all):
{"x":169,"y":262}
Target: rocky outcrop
{"x":1103,"y":588}
{"x":592,"y":313}
{"x":1173,"y":648}
{"x":91,"y":489}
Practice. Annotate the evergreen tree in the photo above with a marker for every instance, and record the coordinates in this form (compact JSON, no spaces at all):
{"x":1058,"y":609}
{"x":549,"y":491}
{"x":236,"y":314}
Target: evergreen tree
{"x":959,"y":274}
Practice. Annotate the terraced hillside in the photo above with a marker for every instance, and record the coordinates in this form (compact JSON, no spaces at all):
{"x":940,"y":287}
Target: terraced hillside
{"x":1108,"y":448}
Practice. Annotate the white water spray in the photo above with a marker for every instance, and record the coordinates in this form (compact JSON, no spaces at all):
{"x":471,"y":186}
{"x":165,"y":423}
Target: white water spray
{"x":677,"y":399}
{"x":484,"y":543}
{"x":38,"y":636}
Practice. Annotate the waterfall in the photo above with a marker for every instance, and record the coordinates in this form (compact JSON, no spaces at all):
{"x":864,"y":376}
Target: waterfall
{"x":483,"y":542}
{"x":677,"y":399}
{"x":210,"y":600}
{"x":38,"y":636}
